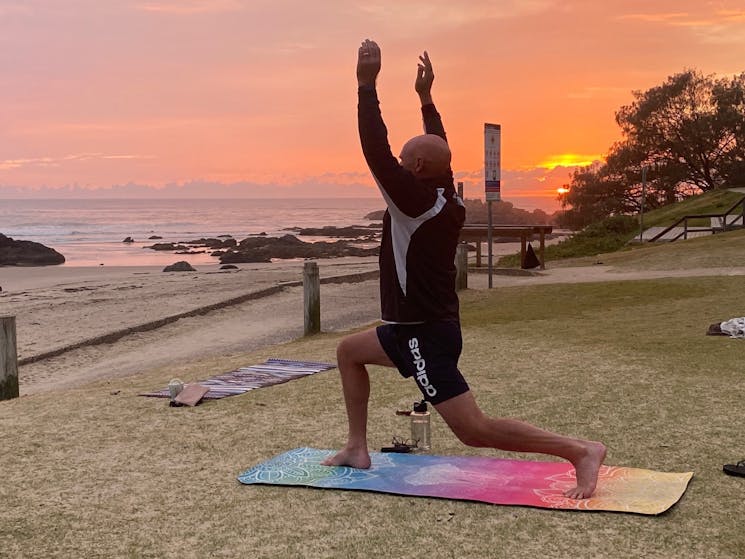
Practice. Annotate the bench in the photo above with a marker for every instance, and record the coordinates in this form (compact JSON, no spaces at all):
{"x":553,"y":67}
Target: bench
{"x":479,"y":233}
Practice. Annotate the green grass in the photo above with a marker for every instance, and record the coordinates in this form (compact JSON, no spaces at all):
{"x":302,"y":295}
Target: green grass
{"x":93,"y":472}
{"x":714,"y":202}
{"x":614,"y":233}
{"x":723,"y":250}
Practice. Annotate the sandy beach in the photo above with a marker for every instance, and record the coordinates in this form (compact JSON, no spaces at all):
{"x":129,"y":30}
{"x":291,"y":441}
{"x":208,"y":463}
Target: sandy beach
{"x":60,"y":307}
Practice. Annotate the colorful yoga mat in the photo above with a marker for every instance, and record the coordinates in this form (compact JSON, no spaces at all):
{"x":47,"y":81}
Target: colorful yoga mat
{"x":272,"y":371}
{"x":473,"y":478}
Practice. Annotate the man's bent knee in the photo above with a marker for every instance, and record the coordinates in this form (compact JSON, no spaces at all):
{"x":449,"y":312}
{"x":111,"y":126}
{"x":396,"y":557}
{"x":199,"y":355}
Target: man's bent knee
{"x":345,"y":351}
{"x":362,"y":348}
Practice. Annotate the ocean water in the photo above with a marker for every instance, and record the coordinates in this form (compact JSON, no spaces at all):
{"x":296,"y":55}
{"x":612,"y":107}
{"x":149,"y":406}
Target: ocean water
{"x":90,"y":232}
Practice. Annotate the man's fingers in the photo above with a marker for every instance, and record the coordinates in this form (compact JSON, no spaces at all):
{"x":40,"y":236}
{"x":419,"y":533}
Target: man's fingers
{"x":424,"y":72}
{"x":370,"y":45}
{"x":369,"y":50}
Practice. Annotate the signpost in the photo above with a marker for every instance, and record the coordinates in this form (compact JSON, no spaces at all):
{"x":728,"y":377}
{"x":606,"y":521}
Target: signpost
{"x":492,"y":177}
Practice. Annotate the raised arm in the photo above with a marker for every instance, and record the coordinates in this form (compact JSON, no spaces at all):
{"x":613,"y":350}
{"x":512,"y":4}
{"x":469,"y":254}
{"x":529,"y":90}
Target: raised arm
{"x":423,"y":86}
{"x":399,"y":186}
{"x":373,"y":133}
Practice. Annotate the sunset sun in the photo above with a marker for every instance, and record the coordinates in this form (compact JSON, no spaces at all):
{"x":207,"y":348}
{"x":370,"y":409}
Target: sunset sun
{"x":569,"y":160}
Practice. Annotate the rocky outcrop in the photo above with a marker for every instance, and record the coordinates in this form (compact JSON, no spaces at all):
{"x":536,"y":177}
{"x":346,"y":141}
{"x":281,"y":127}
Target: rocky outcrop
{"x":27,"y":253}
{"x":213,"y":244}
{"x":377,"y":215}
{"x":253,"y":249}
{"x":168,"y":246}
{"x":351,"y":232}
{"x":181,"y":266}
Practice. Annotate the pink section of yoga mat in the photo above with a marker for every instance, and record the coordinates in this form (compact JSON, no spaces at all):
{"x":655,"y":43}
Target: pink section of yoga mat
{"x":474,"y":478}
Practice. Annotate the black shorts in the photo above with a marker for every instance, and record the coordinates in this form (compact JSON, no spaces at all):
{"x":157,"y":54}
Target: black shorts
{"x":428,"y":352}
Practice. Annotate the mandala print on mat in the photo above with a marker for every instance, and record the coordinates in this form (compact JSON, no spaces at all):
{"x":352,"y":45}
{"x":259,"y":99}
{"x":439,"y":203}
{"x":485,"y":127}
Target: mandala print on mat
{"x":302,"y":466}
{"x":638,"y":488}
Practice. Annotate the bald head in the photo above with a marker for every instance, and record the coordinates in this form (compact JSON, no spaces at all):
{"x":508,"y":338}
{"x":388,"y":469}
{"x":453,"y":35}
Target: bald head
{"x":426,"y":156}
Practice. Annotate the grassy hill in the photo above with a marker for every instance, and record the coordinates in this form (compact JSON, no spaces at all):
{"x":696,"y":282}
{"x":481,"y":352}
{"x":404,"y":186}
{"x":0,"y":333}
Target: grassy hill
{"x":722,"y":250}
{"x":614,"y":233}
{"x":714,"y":202}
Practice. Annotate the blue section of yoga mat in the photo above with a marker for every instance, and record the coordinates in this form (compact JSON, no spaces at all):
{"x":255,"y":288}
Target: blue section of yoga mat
{"x":475,"y":478}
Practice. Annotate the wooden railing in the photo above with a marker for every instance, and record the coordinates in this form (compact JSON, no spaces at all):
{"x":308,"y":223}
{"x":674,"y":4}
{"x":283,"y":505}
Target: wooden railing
{"x":725,"y":224}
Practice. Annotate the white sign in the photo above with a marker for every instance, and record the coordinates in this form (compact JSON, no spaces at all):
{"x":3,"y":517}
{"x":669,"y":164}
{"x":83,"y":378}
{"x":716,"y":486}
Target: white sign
{"x":493,"y":161}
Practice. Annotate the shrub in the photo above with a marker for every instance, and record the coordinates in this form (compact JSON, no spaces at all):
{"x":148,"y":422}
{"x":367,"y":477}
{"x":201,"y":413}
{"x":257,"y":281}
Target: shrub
{"x":608,"y":235}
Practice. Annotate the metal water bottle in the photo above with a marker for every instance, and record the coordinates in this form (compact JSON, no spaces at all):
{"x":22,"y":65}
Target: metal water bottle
{"x":174,"y":388}
{"x":420,"y":427}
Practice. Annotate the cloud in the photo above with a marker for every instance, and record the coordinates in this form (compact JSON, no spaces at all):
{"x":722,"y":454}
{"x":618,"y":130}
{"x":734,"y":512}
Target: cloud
{"x":190,"y":7}
{"x":710,"y":27}
{"x":199,"y":189}
{"x":58,"y":161}
{"x":527,"y":188}
{"x":595,"y":92}
{"x":445,"y":13}
{"x":14,"y":8}
{"x":715,"y":20}
{"x":732,"y":15}
{"x":569,"y":160}
{"x":670,"y":18}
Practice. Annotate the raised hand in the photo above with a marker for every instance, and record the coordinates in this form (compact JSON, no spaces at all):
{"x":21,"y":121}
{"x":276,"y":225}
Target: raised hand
{"x":368,"y":63}
{"x":424,"y":78}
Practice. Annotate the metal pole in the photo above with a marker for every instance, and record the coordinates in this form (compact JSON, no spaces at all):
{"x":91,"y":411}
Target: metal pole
{"x":489,"y":242}
{"x":644,"y":199}
{"x":461,"y":267}
{"x":460,"y":190}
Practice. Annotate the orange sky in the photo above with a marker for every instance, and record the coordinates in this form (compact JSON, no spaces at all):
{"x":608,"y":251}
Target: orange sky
{"x":263,"y":94}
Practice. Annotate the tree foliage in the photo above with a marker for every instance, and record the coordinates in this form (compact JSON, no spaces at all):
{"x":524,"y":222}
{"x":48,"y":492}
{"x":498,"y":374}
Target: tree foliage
{"x":689,"y":134}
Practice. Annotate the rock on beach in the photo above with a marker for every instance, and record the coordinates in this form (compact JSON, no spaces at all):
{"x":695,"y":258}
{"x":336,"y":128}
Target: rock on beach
{"x":27,"y":253}
{"x":263,"y":249}
{"x":181,"y":266}
{"x":350,"y":232}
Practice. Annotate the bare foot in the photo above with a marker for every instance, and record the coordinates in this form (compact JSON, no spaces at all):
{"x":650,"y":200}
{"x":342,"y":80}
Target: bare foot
{"x":352,"y":457}
{"x":586,"y":466}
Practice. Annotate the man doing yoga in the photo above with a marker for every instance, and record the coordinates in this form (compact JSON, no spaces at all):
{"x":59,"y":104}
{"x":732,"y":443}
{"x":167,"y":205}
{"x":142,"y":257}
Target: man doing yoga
{"x":421,"y":336}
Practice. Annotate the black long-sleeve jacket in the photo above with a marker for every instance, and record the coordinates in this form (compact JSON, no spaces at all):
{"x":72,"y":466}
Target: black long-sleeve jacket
{"x":420,"y":228}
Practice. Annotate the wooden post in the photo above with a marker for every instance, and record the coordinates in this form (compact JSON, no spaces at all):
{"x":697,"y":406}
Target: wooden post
{"x":311,"y":298}
{"x":8,"y":358}
{"x":461,"y":267}
{"x":523,"y":248}
{"x":543,"y":249}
